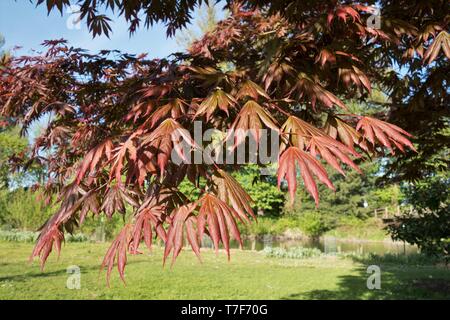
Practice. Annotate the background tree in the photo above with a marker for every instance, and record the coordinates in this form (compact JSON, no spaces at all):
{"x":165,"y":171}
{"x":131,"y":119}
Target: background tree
{"x":426,"y":218}
{"x":268,"y":199}
{"x":11,"y":144}
{"x":4,"y":55}
{"x":428,"y":224}
{"x":206,"y":22}
{"x":353,"y":195}
{"x":2,"y":43}
{"x":10,"y":141}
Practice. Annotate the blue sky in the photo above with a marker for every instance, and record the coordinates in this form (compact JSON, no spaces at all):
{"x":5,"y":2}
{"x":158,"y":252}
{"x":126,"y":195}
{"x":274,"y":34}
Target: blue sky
{"x":22,"y":24}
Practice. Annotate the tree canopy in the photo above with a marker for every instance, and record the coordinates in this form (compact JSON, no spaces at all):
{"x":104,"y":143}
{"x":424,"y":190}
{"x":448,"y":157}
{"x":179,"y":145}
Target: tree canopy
{"x":117,"y":118}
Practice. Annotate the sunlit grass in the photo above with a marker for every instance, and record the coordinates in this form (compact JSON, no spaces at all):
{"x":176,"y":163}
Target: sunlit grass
{"x":249,"y":275}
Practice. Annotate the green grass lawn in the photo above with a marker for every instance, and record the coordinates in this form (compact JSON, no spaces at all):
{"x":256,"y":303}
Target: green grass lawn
{"x":249,"y":275}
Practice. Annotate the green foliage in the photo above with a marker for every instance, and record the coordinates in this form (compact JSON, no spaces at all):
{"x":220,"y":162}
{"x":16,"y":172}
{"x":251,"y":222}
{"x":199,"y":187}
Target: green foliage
{"x":18,"y":236}
{"x":10,"y":143}
{"x":314,"y":224}
{"x":22,"y":209}
{"x":189,"y":190}
{"x":348,"y":227}
{"x":390,"y":196}
{"x":428,"y":225}
{"x":264,"y":226}
{"x":310,"y":223}
{"x":206,"y":22}
{"x":263,"y":189}
{"x":341,"y":213}
{"x":292,"y":253}
{"x":77,"y":237}
{"x":101,"y":228}
{"x":352,"y":192}
{"x":274,"y":226}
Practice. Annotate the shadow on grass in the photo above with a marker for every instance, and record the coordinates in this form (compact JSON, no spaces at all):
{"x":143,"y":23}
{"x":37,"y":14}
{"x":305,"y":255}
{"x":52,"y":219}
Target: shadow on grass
{"x":398,"y":281}
{"x":27,"y":276}
{"x":36,"y":274}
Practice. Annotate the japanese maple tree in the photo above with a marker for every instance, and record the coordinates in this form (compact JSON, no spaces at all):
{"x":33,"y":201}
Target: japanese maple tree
{"x":116,"y":118}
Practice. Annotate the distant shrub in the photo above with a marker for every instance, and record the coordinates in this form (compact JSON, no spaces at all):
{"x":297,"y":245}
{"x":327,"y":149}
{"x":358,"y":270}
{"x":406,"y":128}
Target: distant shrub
{"x":292,"y":253}
{"x":77,"y":237}
{"x":22,"y":209}
{"x":30,"y":237}
{"x":428,"y":224}
{"x":359,"y":228}
{"x":314,"y":224}
{"x":271,"y":226}
{"x":18,"y":236}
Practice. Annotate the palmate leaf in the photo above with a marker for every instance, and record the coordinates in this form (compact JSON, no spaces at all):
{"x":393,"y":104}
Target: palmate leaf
{"x":209,"y":76}
{"x":159,"y":142}
{"x":231,"y":192}
{"x":52,"y":237}
{"x":338,"y":129}
{"x":168,"y":199}
{"x":140,"y":110}
{"x":116,"y":198}
{"x":305,"y":87}
{"x":217,"y":219}
{"x":125,"y":150}
{"x":332,"y":152}
{"x":146,"y":220}
{"x":385,"y":133}
{"x":183,"y":221}
{"x":72,"y":197}
{"x":252,"y":90}
{"x":117,"y":252}
{"x":90,"y":203}
{"x":356,"y":77}
{"x":325,"y":56}
{"x":442,"y":41}
{"x":277,"y":71}
{"x":156,"y":146}
{"x":145,"y":164}
{"x":309,"y":167}
{"x":174,"y":109}
{"x":92,"y":160}
{"x":307,"y":137}
{"x":251,"y":119}
{"x":58,"y":134}
{"x":218,"y":99}
{"x":155,"y":91}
